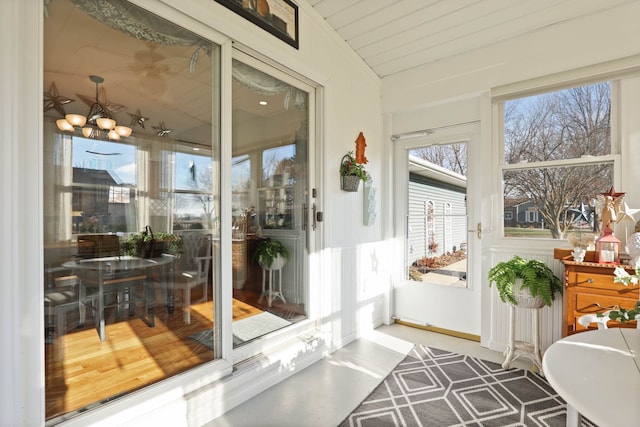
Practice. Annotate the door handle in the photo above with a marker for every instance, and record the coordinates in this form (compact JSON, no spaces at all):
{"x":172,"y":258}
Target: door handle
{"x":304,"y":216}
{"x":478,"y":230}
{"x":314,"y":223}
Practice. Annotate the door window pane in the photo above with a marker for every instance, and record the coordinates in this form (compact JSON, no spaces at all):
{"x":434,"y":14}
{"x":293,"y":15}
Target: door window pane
{"x":123,"y":311}
{"x":437,"y":215}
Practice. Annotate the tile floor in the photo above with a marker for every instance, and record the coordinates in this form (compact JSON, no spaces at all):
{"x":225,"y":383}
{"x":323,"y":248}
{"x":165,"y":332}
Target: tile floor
{"x":323,"y":394}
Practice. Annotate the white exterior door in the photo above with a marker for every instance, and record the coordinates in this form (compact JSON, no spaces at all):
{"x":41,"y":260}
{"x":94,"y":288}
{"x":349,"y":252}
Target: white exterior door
{"x":438,"y":288}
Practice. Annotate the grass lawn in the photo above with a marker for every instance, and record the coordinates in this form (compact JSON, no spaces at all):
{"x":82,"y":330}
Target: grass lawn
{"x":539,"y":233}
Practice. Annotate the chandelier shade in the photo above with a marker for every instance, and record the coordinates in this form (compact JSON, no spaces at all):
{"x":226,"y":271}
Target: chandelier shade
{"x":97,"y":124}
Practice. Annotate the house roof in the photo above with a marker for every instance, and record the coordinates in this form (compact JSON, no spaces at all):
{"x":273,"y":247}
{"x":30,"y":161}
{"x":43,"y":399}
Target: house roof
{"x":435,"y":172}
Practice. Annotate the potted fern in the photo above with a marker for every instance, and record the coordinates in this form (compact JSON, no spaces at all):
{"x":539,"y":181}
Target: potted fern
{"x":525,"y":283}
{"x":271,"y":254}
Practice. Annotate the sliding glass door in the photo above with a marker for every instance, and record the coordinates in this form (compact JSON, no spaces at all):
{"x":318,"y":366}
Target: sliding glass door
{"x":131,"y":202}
{"x":270,"y":116}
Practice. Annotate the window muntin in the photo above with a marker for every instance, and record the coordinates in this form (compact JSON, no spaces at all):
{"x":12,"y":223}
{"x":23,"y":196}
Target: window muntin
{"x":98,"y":193}
{"x":557,"y":151}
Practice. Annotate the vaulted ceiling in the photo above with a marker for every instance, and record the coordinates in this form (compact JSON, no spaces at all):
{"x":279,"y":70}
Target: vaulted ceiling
{"x":392,"y":36}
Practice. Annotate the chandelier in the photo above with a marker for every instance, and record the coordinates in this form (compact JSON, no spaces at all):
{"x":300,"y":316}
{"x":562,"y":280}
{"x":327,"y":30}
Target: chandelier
{"x":98,"y":121}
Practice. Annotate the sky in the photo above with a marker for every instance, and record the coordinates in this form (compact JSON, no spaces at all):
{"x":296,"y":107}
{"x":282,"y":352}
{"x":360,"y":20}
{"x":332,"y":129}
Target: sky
{"x":121,"y":159}
{"x":105,"y":155}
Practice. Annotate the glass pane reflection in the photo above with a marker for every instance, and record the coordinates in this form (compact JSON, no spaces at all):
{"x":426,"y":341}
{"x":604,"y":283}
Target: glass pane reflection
{"x":123,"y":311}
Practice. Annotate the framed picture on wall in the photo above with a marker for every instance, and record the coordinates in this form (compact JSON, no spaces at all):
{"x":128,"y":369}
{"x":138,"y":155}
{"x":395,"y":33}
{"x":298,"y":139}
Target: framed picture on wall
{"x":279,"y":17}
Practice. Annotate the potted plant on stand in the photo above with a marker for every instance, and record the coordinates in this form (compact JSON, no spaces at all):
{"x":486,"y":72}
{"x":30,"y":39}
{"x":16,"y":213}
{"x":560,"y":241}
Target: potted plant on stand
{"x":526,"y":284}
{"x":351,"y":173}
{"x":271,"y":254}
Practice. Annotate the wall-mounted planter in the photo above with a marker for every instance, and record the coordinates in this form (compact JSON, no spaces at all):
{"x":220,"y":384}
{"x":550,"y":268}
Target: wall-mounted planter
{"x":349,"y":183}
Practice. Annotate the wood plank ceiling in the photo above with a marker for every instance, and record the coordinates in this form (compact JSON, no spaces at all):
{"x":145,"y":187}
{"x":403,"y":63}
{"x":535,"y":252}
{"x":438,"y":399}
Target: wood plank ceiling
{"x":392,"y":36}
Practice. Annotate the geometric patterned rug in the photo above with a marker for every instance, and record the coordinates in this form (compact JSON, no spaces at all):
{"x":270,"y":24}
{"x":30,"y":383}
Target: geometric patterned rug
{"x":433,"y":387}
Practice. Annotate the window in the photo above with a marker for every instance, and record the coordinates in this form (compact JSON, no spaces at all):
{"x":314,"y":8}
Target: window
{"x":119,"y":195}
{"x":194,"y":206}
{"x":276,"y":206}
{"x":111,"y":299}
{"x":104,"y":179}
{"x":430,"y":217}
{"x":448,"y":230}
{"x":558,"y":155}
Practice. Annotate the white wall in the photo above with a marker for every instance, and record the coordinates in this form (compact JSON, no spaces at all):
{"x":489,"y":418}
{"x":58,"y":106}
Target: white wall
{"x":350,"y":262}
{"x":459,"y":90}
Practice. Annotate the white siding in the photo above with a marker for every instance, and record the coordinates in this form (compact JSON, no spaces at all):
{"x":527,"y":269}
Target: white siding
{"x":419,"y":195}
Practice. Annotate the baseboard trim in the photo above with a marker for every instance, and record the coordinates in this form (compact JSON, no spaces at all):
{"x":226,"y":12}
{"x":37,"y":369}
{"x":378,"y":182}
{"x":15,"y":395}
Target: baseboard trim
{"x":443,"y":331}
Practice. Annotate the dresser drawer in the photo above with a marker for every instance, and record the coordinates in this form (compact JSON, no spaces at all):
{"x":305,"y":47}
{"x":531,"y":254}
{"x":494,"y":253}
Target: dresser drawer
{"x":601,"y":281}
{"x":594,"y":303}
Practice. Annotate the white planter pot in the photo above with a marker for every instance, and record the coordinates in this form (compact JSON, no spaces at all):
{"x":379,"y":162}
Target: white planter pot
{"x":524,"y":297}
{"x":277,"y":264}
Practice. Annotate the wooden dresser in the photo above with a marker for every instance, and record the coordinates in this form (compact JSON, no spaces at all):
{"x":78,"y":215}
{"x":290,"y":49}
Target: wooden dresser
{"x":589,"y":288}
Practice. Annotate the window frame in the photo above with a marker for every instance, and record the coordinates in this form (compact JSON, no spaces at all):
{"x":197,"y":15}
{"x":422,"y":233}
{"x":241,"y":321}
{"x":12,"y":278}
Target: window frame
{"x":498,"y":103}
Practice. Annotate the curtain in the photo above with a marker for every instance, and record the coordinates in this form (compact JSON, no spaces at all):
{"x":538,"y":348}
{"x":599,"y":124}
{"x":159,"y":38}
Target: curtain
{"x":57,"y":186}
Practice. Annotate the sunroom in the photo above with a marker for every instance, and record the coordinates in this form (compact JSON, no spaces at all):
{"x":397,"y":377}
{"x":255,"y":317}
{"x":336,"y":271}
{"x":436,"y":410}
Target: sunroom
{"x":223,"y":136}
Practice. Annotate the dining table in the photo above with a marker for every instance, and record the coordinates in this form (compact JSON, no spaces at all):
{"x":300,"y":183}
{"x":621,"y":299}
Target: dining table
{"x":102,"y":275}
{"x":597,"y":373}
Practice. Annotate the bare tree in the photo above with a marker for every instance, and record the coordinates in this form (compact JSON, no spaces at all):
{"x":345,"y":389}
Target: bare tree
{"x":200,"y":194}
{"x":204,"y":181}
{"x":560,"y":125}
{"x":452,"y":157}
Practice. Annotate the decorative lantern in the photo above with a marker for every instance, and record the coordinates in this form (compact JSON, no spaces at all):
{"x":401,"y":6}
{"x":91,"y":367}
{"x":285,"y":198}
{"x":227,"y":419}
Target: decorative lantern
{"x":608,"y":247}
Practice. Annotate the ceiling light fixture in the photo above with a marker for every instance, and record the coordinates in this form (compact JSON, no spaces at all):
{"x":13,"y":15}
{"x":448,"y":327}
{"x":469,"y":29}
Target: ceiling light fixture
{"x":262,"y":102}
{"x":98,"y":121}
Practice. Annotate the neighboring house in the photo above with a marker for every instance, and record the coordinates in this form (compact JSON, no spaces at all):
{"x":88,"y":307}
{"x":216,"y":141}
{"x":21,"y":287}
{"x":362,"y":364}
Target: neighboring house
{"x":521,"y":213}
{"x":101,"y":200}
{"x":437,"y":210}
{"x":525,"y":213}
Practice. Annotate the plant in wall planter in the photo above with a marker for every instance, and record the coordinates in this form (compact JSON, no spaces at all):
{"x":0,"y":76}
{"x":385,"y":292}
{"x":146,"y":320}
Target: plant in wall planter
{"x":271,"y":254}
{"x":351,"y":173}
{"x":525,"y":283}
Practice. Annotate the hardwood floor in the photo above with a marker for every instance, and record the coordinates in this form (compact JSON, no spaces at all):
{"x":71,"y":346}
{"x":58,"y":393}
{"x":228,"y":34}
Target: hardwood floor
{"x":86,"y":371}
